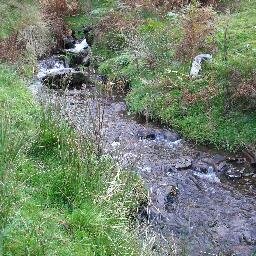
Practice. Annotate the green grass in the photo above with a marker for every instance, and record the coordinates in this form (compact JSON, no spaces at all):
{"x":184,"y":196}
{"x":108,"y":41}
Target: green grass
{"x":57,"y":196}
{"x":158,"y":90}
{"x":15,"y":15}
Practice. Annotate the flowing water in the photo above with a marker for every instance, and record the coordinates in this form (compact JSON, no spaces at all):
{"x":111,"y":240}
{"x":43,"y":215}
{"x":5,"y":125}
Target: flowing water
{"x":197,"y":200}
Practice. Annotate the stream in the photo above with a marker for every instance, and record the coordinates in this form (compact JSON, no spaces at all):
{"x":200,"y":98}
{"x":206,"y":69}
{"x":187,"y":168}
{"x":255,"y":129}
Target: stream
{"x":198,"y":199}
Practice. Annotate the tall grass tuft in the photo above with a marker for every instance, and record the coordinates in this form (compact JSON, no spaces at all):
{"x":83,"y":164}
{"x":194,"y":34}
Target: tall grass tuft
{"x":58,"y":196}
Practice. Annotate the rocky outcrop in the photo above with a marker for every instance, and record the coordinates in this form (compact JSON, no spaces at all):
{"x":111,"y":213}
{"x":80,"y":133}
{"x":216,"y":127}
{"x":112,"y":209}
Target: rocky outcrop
{"x":197,"y":62}
{"x":65,"y":79}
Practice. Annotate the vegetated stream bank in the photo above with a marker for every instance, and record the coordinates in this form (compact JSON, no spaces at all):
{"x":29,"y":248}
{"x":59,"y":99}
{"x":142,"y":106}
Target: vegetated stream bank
{"x":197,"y":200}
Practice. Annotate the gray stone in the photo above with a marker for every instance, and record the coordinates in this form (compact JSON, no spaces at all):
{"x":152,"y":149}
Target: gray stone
{"x":200,"y":167}
{"x":171,"y":136}
{"x":196,"y":65}
{"x":81,"y":58}
{"x":222,"y":167}
{"x":248,"y":238}
{"x":233,"y":174}
{"x":69,"y":42}
{"x":69,"y":80}
{"x":217,"y":159}
{"x":183,"y":163}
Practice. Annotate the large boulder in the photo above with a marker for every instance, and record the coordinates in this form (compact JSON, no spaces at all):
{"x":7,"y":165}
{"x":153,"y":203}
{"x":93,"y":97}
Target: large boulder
{"x":65,"y":79}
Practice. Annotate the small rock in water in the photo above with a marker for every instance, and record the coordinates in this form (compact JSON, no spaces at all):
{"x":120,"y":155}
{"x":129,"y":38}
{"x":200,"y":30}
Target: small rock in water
{"x":69,"y":42}
{"x":233,"y":173}
{"x":87,"y":29}
{"x":81,"y":58}
{"x":213,"y":223}
{"x":248,"y":238}
{"x":222,"y":167}
{"x":172,"y":192}
{"x":183,"y":163}
{"x":248,"y":174}
{"x":238,"y":160}
{"x":150,"y":136}
{"x":171,"y":136}
{"x":200,"y":167}
{"x":146,"y":136}
{"x":89,"y":35}
{"x":217,"y":159}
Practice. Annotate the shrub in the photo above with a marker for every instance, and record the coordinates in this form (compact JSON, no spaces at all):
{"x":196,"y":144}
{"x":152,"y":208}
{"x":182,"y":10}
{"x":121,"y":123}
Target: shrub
{"x":198,"y":28}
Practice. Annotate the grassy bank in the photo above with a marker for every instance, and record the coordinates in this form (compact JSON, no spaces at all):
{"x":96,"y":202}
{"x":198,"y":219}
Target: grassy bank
{"x":57,"y":196}
{"x":152,"y":49}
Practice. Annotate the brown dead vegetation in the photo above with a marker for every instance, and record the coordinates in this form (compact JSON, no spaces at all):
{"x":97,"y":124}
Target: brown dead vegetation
{"x":164,"y":5}
{"x":54,"y":12}
{"x":117,"y":21}
{"x":11,"y":48}
{"x":245,"y":94}
{"x":198,"y":29}
{"x":36,"y":37}
{"x":204,"y":95}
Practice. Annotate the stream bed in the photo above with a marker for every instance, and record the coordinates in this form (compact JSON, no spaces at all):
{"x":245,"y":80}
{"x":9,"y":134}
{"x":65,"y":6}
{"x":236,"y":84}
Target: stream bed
{"x":198,"y":198}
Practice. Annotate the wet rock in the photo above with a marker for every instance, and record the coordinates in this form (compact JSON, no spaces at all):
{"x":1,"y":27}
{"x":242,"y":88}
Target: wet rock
{"x":140,"y":135}
{"x":146,"y":213}
{"x":87,"y":29}
{"x":250,"y":154}
{"x":81,"y":58}
{"x":171,"y":169}
{"x":89,"y":34}
{"x":79,"y":54}
{"x":213,"y":223}
{"x":150,"y":136}
{"x":237,"y":160}
{"x":233,"y":174}
{"x":142,"y":212}
{"x":248,"y":238}
{"x":66,"y":80}
{"x":222,"y":167}
{"x":248,"y":174}
{"x":146,"y":136}
{"x":183,"y":163}
{"x":200,"y":166}
{"x":217,"y":159}
{"x":216,"y":163}
{"x":171,"y":195}
{"x":69,"y":42}
{"x":171,"y":136}
{"x":102,"y":79}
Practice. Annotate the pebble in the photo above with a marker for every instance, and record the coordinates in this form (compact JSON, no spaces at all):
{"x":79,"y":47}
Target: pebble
{"x":183,"y":163}
{"x":233,"y":173}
